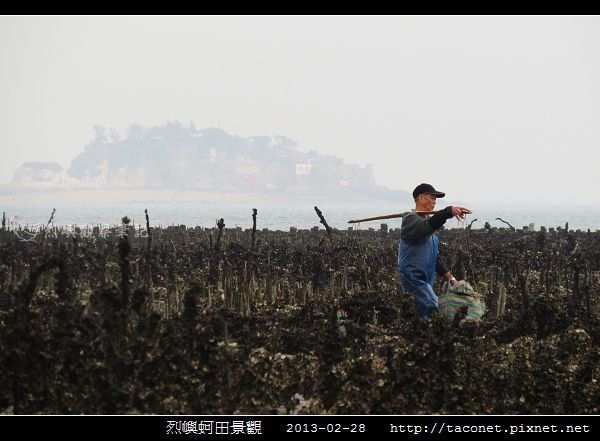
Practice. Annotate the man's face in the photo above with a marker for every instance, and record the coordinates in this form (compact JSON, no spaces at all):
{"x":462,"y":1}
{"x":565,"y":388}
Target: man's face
{"x":427,"y":201}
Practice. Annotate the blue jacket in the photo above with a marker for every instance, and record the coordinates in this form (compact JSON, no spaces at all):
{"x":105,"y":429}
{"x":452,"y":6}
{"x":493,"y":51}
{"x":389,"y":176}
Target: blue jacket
{"x":418,"y":259}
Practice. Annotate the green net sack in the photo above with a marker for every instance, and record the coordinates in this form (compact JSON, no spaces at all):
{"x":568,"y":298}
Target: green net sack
{"x":454,"y":297}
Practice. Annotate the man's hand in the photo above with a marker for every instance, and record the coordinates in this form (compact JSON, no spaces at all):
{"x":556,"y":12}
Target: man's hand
{"x":450,"y":278}
{"x":459,"y":212}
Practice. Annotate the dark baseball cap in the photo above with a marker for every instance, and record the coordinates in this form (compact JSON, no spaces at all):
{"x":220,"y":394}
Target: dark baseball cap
{"x":427,"y":189}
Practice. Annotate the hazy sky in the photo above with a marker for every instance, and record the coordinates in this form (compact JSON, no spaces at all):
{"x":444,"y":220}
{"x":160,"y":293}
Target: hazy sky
{"x":489,"y":109}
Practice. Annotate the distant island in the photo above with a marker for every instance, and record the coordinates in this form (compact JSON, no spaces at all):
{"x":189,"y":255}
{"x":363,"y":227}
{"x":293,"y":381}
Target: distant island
{"x":180,"y":157}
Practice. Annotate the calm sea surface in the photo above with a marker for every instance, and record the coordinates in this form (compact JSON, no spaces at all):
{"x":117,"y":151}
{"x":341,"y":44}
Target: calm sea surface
{"x":282,"y":217}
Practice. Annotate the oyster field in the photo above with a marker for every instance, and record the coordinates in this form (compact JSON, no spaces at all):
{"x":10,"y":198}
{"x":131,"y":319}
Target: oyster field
{"x":230,"y":321}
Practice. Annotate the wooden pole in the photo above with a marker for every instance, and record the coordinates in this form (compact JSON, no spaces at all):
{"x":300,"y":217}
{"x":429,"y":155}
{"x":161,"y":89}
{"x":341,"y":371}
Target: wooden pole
{"x":392,"y":216}
{"x":388,"y":216}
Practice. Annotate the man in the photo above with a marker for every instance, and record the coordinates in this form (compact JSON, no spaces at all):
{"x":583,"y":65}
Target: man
{"x":418,"y":259}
